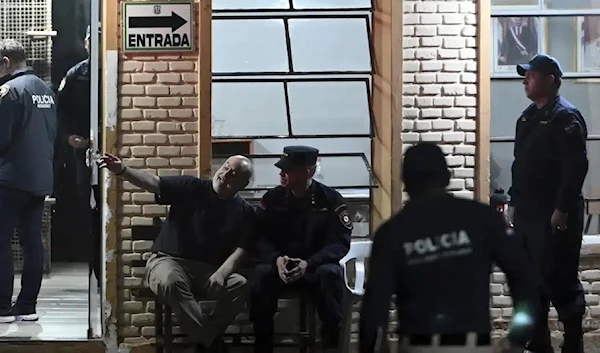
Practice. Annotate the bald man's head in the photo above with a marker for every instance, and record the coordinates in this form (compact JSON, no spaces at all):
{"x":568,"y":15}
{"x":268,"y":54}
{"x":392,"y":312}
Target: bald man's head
{"x":233,"y":176}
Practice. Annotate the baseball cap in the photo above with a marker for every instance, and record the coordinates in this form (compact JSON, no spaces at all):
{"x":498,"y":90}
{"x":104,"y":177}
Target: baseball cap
{"x":543,"y":63}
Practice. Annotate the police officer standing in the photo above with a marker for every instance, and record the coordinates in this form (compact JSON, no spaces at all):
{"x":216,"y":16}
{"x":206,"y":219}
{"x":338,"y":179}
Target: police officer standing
{"x":27,"y":136}
{"x":74,"y":112}
{"x":305,"y":230}
{"x":436,"y":256}
{"x":546,"y":207}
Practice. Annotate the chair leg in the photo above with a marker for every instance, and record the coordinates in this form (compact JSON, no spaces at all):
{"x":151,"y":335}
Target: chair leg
{"x":588,"y":223}
{"x":346,"y":329}
{"x":303,"y":326}
{"x":168,"y":329}
{"x":158,"y":324}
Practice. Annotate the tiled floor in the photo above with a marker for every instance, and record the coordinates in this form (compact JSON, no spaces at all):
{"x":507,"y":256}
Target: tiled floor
{"x":62,"y":307}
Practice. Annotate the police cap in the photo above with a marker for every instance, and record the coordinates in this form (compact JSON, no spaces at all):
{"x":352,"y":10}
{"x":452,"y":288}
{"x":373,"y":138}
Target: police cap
{"x":542,"y":63}
{"x":425,"y":163}
{"x":297,"y":156}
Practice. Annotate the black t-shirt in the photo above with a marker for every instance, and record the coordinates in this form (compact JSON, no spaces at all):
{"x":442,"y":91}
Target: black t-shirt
{"x":201,"y":226}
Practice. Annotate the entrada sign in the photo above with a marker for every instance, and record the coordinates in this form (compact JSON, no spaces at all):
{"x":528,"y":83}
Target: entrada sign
{"x":158,"y":26}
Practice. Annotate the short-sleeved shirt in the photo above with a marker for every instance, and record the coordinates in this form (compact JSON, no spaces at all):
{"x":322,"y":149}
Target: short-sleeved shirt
{"x":200,"y":225}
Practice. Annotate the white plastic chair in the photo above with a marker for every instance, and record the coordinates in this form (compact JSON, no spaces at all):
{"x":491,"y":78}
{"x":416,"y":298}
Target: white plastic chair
{"x":359,"y":252}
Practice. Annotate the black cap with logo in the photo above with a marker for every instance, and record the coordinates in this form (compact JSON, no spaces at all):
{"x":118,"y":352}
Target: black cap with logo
{"x":297,"y":157}
{"x":542,"y":63}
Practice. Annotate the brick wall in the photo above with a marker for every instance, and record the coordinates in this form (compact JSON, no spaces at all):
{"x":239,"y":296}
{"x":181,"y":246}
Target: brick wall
{"x":440,"y":76}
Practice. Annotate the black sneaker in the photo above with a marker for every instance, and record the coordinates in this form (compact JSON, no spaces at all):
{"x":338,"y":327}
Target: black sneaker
{"x":7,"y":316}
{"x":25,"y":314}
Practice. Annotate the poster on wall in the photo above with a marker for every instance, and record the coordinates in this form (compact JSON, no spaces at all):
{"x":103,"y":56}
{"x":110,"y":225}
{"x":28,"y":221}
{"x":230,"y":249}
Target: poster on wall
{"x":516,"y":40}
{"x":588,"y":44}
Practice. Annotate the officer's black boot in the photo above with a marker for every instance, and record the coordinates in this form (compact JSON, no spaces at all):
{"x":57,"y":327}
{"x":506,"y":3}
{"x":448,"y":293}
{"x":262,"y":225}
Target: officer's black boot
{"x":263,"y":342}
{"x":330,"y":339}
{"x":573,"y":337}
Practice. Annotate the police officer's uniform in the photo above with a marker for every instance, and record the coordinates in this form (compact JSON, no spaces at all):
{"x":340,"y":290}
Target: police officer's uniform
{"x":316,"y":228}
{"x":74,"y":111}
{"x":548,"y":172}
{"x":27,"y":136}
{"x":436,"y":256}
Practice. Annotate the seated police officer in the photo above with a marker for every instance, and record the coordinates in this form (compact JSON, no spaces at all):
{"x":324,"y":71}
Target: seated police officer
{"x":305,"y":230}
{"x":436,"y":256}
{"x":201,"y":243}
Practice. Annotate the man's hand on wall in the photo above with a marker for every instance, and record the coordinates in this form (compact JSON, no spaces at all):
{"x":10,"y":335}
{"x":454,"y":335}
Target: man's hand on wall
{"x":112,"y":163}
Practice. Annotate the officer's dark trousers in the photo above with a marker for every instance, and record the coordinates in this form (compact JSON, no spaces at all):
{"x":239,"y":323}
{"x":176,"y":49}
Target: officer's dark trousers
{"x":556,"y":258}
{"x":326,"y":286}
{"x":23,"y":211}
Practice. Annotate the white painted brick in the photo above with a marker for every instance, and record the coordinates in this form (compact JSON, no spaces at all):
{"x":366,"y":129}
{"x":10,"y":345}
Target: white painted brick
{"x":408,"y":78}
{"x":408,"y":101}
{"x":453,"y":90}
{"x":432,"y":19}
{"x":470,"y":19}
{"x":467,"y":7}
{"x":431,"y":65}
{"x":447,"y":7}
{"x":464,"y":194}
{"x":464,"y":149}
{"x":471,"y":66}
{"x":448,"y":78}
{"x":443,"y":102}
{"x":426,"y":54}
{"x":431,"y":113}
{"x":455,"y":161}
{"x":470,"y":137}
{"x":431,"y":90}
{"x":472,"y":111}
{"x":426,"y":7}
{"x":410,"y":54}
{"x":410,"y":42}
{"x":410,"y":66}
{"x":448,"y":30}
{"x":471,"y":90}
{"x":471,"y":42}
{"x":454,"y":66}
{"x":411,"y":89}
{"x":425,"y":78}
{"x":468,"y":31}
{"x":407,"y":125}
{"x":422,"y":31}
{"x":424,"y":101}
{"x":453,"y":19}
{"x":448,"y":53}
{"x":410,"y":113}
{"x":409,"y":7}
{"x":454,"y":113}
{"x":442,"y":124}
{"x":463,"y":172}
{"x":470,"y":183}
{"x":423,"y":125}
{"x":410,"y":19}
{"x":468,"y":78}
{"x":454,"y":42}
{"x":456,"y":184}
{"x":447,"y":149}
{"x":454,"y":136}
{"x":466,"y":125}
{"x":467,"y":53}
{"x":431,"y":137}
{"x":408,"y":30}
{"x":469,"y":161}
{"x":432,"y":42}
{"x":410,"y":137}
{"x":465,"y":101}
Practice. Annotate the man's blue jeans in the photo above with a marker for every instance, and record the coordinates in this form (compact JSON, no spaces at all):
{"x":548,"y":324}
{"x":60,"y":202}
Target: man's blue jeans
{"x":23,"y":211}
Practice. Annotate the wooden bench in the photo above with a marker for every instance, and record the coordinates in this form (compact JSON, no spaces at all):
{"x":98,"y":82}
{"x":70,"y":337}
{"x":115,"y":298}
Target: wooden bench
{"x":165,"y":338}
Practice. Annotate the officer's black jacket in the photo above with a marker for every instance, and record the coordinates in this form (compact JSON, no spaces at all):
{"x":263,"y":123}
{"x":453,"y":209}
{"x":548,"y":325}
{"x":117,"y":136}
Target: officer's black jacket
{"x":27,"y":133}
{"x":436,"y":256}
{"x":74,"y":101}
{"x":316,"y":228}
{"x":551,"y":162}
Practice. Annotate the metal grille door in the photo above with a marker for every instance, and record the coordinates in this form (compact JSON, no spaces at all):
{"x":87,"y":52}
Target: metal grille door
{"x":30,"y":22}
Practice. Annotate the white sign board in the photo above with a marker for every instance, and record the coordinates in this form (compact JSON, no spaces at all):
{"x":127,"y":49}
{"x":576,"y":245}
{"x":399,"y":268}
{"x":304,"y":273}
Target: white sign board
{"x":158,"y":26}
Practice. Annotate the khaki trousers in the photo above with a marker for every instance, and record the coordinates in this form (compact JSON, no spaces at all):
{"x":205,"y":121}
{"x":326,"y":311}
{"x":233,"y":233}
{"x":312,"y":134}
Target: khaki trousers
{"x":180,"y":283}
{"x":470,"y":347}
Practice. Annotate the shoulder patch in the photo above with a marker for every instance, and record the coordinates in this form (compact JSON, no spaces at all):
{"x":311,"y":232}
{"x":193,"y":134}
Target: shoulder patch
{"x":344,"y":216}
{"x":4,"y":90}
{"x":63,"y":82}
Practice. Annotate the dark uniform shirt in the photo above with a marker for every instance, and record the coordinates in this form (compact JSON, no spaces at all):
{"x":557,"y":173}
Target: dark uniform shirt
{"x":201,"y":226}
{"x":551,"y":162}
{"x":316,"y":228}
{"x":74,"y":101}
{"x":436,"y":256}
{"x":27,"y":133}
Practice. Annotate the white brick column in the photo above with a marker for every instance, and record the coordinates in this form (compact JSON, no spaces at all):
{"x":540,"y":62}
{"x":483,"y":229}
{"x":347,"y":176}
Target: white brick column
{"x":440,"y":77}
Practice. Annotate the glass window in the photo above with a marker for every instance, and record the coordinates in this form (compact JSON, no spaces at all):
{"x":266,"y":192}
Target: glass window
{"x":249,"y":46}
{"x":513,"y":3}
{"x":248,"y":109}
{"x":509,"y":100}
{"x":331,"y":44}
{"x":550,"y":4}
{"x":331,"y":4}
{"x":329,"y":108}
{"x":250,"y":4}
{"x":575,"y":42}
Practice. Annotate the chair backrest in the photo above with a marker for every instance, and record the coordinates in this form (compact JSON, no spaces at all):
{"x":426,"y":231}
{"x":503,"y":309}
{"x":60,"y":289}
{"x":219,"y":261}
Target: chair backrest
{"x":359,"y":251}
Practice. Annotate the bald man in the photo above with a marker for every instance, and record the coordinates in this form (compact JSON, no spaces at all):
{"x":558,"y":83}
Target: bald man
{"x":201,"y":243}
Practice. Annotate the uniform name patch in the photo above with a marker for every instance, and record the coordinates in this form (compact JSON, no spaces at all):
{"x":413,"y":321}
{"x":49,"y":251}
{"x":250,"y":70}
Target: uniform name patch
{"x":344,"y":217}
{"x":4,"y":90}
{"x":42,"y":101}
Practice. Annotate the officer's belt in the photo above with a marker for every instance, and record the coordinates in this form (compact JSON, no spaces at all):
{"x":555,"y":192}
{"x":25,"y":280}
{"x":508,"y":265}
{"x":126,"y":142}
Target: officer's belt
{"x":481,"y":339}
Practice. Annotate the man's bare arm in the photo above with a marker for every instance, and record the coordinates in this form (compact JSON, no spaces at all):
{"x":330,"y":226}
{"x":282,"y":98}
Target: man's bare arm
{"x":142,"y":179}
{"x":232,"y":262}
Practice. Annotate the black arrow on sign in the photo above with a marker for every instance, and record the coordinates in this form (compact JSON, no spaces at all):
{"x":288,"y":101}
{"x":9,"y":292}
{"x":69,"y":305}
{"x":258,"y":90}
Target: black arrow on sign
{"x":174,"y":22}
